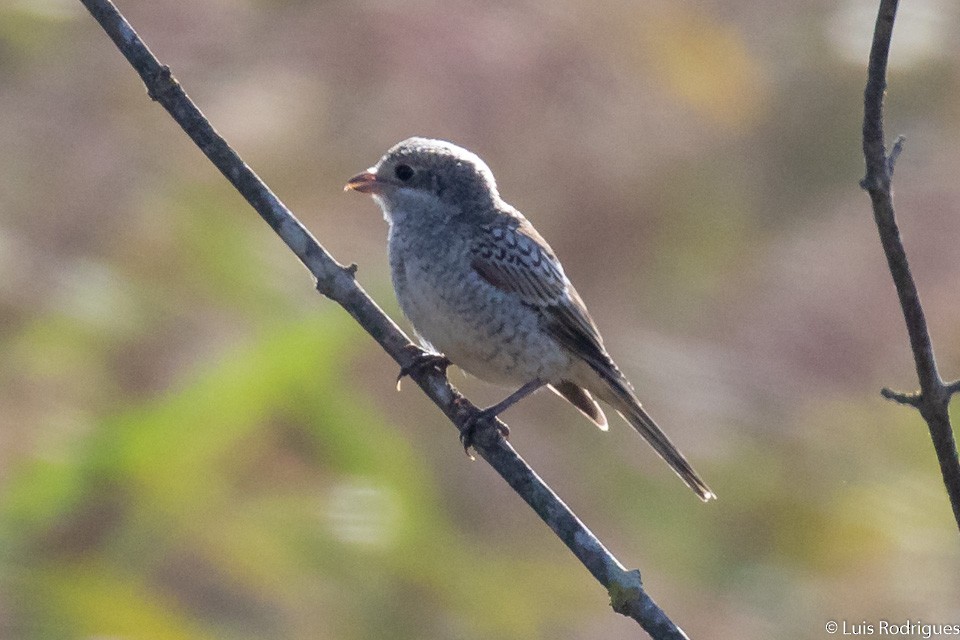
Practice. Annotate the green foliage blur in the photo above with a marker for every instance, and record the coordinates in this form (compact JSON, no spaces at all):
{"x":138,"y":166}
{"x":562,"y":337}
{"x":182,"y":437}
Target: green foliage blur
{"x":194,"y":444}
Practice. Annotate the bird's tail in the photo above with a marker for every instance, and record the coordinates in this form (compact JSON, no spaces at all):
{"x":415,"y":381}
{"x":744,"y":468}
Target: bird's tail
{"x":622,"y":398}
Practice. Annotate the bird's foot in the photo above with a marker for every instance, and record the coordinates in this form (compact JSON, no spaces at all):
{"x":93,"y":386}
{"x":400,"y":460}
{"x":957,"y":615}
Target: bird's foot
{"x":422,"y":361}
{"x":484,"y":420}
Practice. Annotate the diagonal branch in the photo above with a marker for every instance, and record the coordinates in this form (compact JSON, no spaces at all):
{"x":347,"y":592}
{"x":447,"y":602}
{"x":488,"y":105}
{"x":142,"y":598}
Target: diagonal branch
{"x":337,"y":282}
{"x":934,"y":394}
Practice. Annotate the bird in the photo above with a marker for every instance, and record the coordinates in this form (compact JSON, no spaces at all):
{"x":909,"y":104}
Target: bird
{"x":484,"y":291}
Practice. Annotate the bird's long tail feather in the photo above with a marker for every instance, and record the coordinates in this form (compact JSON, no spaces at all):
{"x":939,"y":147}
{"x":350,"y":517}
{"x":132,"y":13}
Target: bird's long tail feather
{"x":622,"y":398}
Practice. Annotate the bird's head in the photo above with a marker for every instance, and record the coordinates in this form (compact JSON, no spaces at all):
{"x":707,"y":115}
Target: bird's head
{"x":422,"y":173}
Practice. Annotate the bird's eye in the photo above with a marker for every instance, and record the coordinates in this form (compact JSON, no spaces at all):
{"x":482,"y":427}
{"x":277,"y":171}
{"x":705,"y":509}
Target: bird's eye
{"x":403,"y":172}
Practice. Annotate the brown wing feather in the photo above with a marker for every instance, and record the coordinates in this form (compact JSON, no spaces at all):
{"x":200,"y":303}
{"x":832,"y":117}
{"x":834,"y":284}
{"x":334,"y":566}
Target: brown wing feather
{"x":514,"y":258}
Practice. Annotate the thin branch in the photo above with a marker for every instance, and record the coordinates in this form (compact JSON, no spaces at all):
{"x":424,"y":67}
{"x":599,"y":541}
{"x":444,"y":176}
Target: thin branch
{"x":934,"y":395}
{"x":337,"y":282}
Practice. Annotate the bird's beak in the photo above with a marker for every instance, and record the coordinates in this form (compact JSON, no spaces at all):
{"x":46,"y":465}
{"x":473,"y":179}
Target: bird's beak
{"x":365,"y":182}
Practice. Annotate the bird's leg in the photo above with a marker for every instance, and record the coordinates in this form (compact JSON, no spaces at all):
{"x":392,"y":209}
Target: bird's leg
{"x":480,"y":417}
{"x":423,"y":360}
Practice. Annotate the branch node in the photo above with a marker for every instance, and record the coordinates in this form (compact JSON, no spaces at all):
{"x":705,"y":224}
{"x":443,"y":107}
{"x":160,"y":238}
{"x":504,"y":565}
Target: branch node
{"x":913,"y":399}
{"x":625,"y":591}
{"x":323,"y":288}
{"x":351,"y":269}
{"x":160,"y":83}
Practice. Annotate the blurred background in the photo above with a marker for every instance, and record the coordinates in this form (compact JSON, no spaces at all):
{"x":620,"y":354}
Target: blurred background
{"x":194,"y":444}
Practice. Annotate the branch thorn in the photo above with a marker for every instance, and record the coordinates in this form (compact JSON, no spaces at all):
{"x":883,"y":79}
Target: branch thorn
{"x":913,"y":399}
{"x":894,"y":154}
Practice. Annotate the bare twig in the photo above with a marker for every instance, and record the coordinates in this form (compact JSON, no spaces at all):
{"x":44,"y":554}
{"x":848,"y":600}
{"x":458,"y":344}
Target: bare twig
{"x":337,"y":282}
{"x":934,"y":394}
{"x":913,"y":399}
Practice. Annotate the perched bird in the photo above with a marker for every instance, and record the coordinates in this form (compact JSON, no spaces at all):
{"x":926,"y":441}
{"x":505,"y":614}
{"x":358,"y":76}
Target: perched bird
{"x":483,"y":288}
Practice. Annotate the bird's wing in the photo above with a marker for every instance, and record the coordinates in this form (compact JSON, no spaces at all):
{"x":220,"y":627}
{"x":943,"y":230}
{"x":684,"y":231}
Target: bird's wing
{"x":515,"y":259}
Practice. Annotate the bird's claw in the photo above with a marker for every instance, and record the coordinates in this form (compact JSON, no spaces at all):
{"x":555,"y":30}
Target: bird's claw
{"x":422,"y":361}
{"x":480,"y":420}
